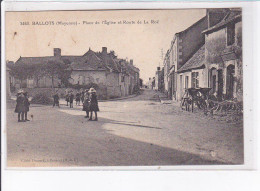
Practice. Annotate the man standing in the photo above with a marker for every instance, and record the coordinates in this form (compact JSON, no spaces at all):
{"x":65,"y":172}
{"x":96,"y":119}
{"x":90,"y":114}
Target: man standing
{"x":78,"y":98}
{"x":71,"y":99}
{"x":56,"y":99}
{"x":82,"y":96}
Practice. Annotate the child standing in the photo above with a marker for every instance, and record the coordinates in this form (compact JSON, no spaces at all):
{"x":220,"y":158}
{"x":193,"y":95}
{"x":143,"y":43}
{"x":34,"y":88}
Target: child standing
{"x":26,"y":105}
{"x":20,"y":106}
{"x":86,"y":104}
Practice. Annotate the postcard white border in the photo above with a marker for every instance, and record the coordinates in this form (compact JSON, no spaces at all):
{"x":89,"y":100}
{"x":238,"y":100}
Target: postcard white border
{"x":156,"y":179}
{"x":248,"y":55}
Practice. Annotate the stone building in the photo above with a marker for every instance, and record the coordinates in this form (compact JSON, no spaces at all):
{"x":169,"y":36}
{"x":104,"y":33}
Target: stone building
{"x":223,"y":54}
{"x":186,"y":55}
{"x":193,"y":73}
{"x":218,"y":63}
{"x":159,"y":78}
{"x":115,"y":77}
{"x":166,"y":64}
{"x":151,"y":83}
{"x":183,"y":46}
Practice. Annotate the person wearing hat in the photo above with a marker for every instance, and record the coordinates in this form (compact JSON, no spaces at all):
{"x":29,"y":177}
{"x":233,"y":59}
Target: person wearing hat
{"x":67,"y":97}
{"x":86,"y":104}
{"x":71,"y":98}
{"x":26,"y":105}
{"x":82,"y":96}
{"x":78,"y":98}
{"x":56,"y":99}
{"x":20,"y":106}
{"x":93,"y":106}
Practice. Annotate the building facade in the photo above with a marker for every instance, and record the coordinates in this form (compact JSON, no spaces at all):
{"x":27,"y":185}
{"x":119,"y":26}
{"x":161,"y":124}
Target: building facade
{"x":218,"y":63}
{"x":223,"y":54}
{"x":159,"y":79}
{"x":183,"y":46}
{"x":193,"y":73}
{"x":207,"y":54}
{"x":116,"y":77}
{"x":166,"y":68}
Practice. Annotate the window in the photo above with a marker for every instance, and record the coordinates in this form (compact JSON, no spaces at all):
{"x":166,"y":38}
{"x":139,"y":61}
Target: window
{"x":181,"y":82}
{"x":122,"y":78}
{"x":186,"y":82}
{"x":230,"y":34}
{"x":195,"y":79}
{"x":81,"y":80}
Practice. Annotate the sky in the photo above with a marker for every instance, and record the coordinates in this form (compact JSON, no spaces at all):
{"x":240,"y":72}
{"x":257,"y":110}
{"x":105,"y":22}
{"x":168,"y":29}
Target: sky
{"x":141,"y":42}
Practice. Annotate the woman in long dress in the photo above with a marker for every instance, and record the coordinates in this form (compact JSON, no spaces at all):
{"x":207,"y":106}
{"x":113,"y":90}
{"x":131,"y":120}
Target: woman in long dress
{"x":77,"y":98}
{"x":93,"y":107}
{"x":86,"y":104}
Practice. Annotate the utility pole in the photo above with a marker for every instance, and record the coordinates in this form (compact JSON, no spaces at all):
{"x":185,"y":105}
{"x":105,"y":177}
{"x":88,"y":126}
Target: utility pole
{"x":161,"y":56}
{"x":162,"y":53}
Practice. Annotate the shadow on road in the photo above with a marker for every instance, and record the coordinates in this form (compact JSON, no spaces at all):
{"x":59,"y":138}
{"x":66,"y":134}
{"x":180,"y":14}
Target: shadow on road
{"x":90,"y":143}
{"x":130,"y":124}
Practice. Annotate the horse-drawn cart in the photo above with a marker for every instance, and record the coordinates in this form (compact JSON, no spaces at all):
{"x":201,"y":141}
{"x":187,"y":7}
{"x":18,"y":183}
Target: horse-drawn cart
{"x":197,"y":96}
{"x":201,"y":98}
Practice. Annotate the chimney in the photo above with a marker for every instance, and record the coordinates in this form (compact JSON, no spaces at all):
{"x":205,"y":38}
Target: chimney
{"x":104,"y":50}
{"x":57,"y":52}
{"x":215,"y":16}
{"x":131,"y":62}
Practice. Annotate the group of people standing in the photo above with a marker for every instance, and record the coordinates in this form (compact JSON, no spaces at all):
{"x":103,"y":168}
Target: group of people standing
{"x":79,"y":97}
{"x":90,"y":104}
{"x":69,"y":98}
{"x":88,"y":97}
{"x":22,"y":106}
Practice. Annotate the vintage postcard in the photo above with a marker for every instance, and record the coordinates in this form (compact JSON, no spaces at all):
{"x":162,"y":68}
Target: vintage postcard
{"x":97,"y":88}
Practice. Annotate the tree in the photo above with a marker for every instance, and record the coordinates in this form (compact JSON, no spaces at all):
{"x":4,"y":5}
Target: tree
{"x":21,"y":71}
{"x":54,"y":69}
{"x":38,"y":72}
{"x":57,"y":69}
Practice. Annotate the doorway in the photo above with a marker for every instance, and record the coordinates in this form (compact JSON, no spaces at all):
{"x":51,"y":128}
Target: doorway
{"x":230,"y":81}
{"x":220,"y":85}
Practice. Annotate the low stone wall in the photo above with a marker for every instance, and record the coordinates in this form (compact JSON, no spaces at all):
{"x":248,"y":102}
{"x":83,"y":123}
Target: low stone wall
{"x":101,"y":92}
{"x":47,"y":91}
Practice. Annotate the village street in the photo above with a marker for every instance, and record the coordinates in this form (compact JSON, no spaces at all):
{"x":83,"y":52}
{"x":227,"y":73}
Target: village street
{"x":135,"y":131}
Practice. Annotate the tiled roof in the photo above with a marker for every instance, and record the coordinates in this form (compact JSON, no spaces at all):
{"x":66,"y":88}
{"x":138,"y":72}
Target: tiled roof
{"x":232,"y":15}
{"x":89,"y":61}
{"x":72,"y":58}
{"x":196,"y":61}
{"x":96,"y":61}
{"x":193,"y":25}
{"x":37,"y":60}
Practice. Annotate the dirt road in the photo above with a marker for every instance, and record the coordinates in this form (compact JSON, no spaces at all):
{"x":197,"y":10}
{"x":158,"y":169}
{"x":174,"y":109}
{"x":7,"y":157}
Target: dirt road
{"x":136,"y":131}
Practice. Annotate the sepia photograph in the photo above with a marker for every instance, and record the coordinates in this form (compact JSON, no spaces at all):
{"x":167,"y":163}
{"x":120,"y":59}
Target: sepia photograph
{"x":99,"y":88}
